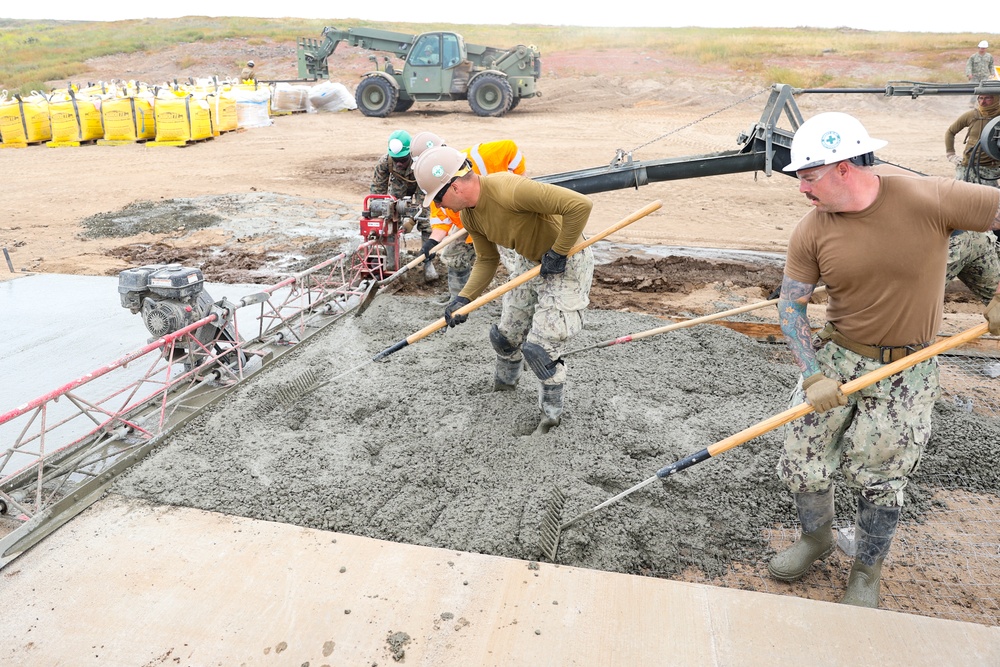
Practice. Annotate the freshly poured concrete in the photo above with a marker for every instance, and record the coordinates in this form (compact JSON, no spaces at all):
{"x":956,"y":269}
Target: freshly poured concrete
{"x":132,"y":584}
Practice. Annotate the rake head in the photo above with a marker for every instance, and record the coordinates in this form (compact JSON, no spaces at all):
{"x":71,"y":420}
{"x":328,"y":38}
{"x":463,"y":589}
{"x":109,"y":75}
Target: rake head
{"x":288,"y":395}
{"x":552,"y":524}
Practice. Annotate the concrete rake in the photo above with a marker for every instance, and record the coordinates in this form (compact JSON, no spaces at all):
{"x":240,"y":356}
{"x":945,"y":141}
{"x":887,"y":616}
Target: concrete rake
{"x":553,"y":525}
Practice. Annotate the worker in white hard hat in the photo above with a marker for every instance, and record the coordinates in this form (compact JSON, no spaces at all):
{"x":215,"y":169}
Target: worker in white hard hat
{"x":979,"y":66}
{"x":880,"y":245}
{"x":248,"y":73}
{"x":541,"y":223}
{"x":490,"y":157}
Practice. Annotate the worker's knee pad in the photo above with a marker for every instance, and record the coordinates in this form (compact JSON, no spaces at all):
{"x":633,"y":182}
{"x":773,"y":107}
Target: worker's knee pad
{"x":541,"y":364}
{"x":500,"y":343}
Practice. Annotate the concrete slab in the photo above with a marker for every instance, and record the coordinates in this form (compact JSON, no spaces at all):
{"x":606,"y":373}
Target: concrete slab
{"x":129,"y":583}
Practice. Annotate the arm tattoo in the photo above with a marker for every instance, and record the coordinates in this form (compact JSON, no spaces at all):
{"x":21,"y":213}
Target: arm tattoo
{"x":795,"y":324}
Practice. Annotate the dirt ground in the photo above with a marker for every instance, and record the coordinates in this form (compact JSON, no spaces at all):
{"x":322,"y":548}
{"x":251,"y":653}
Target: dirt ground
{"x":251,"y":205}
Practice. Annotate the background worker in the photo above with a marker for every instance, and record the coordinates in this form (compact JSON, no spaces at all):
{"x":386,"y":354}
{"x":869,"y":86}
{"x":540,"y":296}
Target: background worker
{"x":979,"y":66}
{"x":879,"y":243}
{"x":394,"y":176}
{"x":542,"y":223}
{"x":975,"y":165}
{"x":486,"y":158}
{"x":248,"y":73}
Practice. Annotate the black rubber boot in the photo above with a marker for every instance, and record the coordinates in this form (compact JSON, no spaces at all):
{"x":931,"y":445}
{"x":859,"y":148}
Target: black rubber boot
{"x":873,"y":532}
{"x":457,"y":279}
{"x":550,"y":400}
{"x":815,"y":543}
{"x":430,"y":273}
{"x":507,"y":374}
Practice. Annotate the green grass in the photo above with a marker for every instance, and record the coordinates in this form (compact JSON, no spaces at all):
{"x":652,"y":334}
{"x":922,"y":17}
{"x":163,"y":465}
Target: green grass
{"x":35,"y":51}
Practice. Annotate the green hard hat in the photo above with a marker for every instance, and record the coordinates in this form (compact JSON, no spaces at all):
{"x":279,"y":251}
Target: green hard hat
{"x":399,"y":143}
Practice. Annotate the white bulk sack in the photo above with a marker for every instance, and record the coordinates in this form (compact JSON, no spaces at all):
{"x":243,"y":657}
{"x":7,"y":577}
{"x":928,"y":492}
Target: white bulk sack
{"x":330,"y":96}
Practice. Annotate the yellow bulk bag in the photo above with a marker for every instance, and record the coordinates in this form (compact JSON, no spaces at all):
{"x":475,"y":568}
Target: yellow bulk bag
{"x":128,"y":118}
{"x":181,"y":118}
{"x":25,"y":120}
{"x":223,"y":111}
{"x":75,"y":118}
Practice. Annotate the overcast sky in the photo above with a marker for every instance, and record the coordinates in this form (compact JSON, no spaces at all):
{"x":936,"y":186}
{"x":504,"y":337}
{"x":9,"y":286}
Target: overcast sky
{"x":862,"y":14}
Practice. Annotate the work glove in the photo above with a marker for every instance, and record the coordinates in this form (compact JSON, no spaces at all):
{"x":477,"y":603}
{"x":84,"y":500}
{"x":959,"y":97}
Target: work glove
{"x":426,"y":248}
{"x":456,"y":303}
{"x":953,"y":158}
{"x":824,"y":393}
{"x":992,"y":315}
{"x":553,"y":263}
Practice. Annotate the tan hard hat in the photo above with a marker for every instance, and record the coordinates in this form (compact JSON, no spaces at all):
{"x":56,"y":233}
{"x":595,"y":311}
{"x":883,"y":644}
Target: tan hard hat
{"x":423,"y":141}
{"x":435,"y":169}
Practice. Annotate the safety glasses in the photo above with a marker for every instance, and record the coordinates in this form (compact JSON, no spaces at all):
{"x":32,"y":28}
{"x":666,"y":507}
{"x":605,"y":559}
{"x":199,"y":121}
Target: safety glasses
{"x":815,"y":175}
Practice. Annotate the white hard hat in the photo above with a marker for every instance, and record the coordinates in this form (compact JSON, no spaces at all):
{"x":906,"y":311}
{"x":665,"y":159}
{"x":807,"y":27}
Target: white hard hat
{"x":424,"y":141}
{"x":984,"y":44}
{"x":830,"y":137}
{"x":249,"y":63}
{"x":435,"y":169}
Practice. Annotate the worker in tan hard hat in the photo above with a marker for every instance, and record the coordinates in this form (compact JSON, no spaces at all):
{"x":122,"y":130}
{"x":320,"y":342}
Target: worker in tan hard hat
{"x":248,"y":73}
{"x":879,"y":242}
{"x":541,"y":223}
{"x":490,"y":157}
{"x":394,"y":176}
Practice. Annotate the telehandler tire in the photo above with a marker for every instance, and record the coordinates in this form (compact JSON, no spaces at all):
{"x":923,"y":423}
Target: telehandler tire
{"x":490,"y":95}
{"x":403,"y":105}
{"x":376,"y":97}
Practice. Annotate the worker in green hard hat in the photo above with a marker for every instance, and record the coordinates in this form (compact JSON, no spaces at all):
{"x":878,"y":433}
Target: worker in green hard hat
{"x":394,"y":176}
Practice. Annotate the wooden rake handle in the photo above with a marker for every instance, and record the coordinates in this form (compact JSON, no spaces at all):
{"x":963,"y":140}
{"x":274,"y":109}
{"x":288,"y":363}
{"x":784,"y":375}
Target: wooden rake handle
{"x":419,"y":259}
{"x":848,"y":388}
{"x":528,"y":275}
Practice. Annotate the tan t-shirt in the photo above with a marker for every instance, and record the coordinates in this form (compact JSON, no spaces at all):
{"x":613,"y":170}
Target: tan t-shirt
{"x":884,"y":267}
{"x":524,"y":215}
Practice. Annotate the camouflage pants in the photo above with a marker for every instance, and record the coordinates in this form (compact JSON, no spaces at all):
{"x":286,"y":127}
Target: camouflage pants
{"x":973,"y":259}
{"x":459,"y":255}
{"x":973,"y":174}
{"x":547,"y":311}
{"x":892,"y":423}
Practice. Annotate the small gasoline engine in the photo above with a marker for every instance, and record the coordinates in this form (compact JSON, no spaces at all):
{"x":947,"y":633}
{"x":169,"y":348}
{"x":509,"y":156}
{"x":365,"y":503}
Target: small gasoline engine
{"x":385,"y":219}
{"x":169,"y":297}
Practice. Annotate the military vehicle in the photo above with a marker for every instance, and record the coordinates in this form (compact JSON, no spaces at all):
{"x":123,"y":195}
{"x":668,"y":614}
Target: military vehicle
{"x":437,"y":66}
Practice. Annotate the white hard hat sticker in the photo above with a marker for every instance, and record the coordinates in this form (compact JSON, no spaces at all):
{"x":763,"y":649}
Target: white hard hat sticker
{"x":830,"y":140}
{"x":395,"y":145}
{"x":437,"y":171}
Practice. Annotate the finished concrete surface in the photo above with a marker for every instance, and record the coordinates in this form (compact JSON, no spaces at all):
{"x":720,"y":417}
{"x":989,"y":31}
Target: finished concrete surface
{"x":134,"y":584}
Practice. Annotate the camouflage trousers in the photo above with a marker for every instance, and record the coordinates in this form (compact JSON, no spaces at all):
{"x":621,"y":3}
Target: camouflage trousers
{"x":459,"y":255}
{"x":547,"y":311}
{"x":978,"y":174}
{"x":972,"y":258}
{"x":892,"y":423}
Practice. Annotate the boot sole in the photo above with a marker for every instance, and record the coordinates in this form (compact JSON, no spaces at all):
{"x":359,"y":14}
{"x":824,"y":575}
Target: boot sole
{"x":795,"y":577}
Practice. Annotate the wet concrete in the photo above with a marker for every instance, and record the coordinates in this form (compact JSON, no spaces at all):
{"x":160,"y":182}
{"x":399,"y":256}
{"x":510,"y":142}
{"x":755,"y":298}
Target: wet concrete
{"x":419,"y":450}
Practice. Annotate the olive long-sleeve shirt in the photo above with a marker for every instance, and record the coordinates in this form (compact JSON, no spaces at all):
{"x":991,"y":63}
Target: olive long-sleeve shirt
{"x":975,"y":121}
{"x":524,"y":215}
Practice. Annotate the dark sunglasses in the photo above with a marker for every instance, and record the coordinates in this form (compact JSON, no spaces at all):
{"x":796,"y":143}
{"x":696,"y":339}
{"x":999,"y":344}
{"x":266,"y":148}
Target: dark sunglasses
{"x":440,"y":193}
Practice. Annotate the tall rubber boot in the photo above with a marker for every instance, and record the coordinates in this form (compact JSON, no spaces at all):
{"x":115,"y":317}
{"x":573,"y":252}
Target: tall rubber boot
{"x":430,"y":273}
{"x":873,"y":532}
{"x":816,"y":542}
{"x":457,"y":279}
{"x":550,"y":400}
{"x":507,"y":374}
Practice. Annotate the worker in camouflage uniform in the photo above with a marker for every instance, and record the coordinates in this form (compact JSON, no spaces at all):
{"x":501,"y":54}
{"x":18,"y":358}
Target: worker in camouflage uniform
{"x":490,"y":157}
{"x":394,"y":176}
{"x":975,"y":165}
{"x":879,"y":243}
{"x":542,"y":223}
{"x":979,"y":66}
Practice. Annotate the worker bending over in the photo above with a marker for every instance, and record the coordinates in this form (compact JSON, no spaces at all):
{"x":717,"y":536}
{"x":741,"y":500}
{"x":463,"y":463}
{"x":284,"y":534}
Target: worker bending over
{"x":541,"y":223}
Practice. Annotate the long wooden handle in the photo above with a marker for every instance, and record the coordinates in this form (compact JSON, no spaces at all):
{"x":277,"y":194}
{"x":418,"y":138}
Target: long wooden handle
{"x":528,"y":275}
{"x":419,"y":259}
{"x":848,"y":388}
